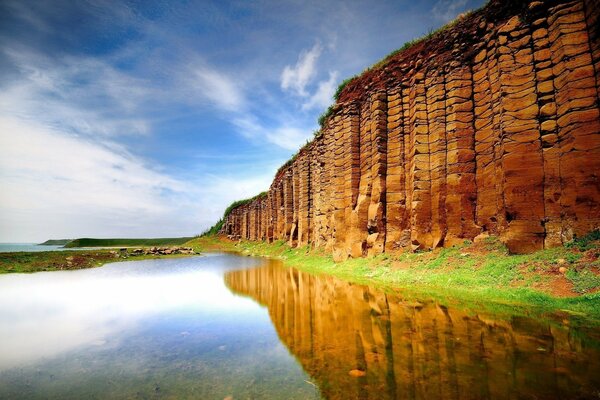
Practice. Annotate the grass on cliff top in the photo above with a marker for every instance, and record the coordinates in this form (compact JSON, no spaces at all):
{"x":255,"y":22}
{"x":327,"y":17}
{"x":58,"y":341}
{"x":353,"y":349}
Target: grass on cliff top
{"x":480,"y":275}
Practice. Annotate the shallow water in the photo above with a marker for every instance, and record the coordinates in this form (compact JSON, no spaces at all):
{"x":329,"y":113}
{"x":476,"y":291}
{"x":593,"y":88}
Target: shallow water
{"x":222,"y":325}
{"x":19,"y":247}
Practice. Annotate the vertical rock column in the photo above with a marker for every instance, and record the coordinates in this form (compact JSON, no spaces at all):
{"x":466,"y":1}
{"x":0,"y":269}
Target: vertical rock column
{"x":351,"y":133}
{"x":420,"y":166}
{"x":271,"y":214}
{"x":522,"y":161}
{"x":461,"y":198}
{"x":578,"y":119}
{"x":359,"y":217}
{"x":548,"y":128}
{"x":316,"y":168}
{"x":592,"y":14}
{"x":436,"y":112}
{"x":328,"y":186}
{"x":288,"y":204}
{"x":304,"y":198}
{"x":293,"y":241}
{"x":279,"y":208}
{"x":340,"y":164}
{"x":488,"y":147}
{"x":377,"y":208}
{"x":396,"y":224}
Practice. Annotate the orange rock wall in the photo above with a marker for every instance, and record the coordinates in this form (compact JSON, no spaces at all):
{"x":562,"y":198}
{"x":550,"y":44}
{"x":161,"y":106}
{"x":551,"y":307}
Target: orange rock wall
{"x":491,"y":127}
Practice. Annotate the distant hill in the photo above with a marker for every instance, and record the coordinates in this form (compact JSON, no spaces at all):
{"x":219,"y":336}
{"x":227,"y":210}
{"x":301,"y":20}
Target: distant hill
{"x":90,"y":242}
{"x":55,"y":242}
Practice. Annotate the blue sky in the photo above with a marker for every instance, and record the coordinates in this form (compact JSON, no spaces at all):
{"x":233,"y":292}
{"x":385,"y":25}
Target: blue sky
{"x":146,"y":118}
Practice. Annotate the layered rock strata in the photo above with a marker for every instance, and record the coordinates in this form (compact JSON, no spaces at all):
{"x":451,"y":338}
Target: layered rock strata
{"x":491,"y":126}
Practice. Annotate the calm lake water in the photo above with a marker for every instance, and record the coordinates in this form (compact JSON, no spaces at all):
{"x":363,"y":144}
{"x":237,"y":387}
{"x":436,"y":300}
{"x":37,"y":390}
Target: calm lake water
{"x":224,"y":326}
{"x":11,"y":247}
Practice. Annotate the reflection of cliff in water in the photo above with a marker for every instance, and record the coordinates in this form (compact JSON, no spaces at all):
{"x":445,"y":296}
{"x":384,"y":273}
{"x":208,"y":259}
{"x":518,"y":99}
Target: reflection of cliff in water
{"x":416,"y":350}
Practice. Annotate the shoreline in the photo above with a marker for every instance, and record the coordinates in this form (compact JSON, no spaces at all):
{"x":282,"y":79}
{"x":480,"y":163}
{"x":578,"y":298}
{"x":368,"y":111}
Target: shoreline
{"x":65,"y":260}
{"x":475,"y":276}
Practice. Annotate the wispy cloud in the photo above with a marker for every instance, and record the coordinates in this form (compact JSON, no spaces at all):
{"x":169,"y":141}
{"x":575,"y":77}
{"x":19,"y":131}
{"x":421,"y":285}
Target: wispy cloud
{"x":447,"y":10}
{"x":83,"y":94}
{"x":295,"y":78}
{"x":218,"y":88}
{"x":58,"y":184}
{"x":324,"y":93}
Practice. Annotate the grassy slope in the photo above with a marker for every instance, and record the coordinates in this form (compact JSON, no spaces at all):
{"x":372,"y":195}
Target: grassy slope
{"x":25,"y":262}
{"x":55,"y":242}
{"x":90,"y":242}
{"x":476,"y":276}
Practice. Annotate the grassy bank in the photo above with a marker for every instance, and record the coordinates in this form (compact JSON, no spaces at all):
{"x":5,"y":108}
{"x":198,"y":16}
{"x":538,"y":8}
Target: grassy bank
{"x":55,"y":242}
{"x":25,"y":262}
{"x":91,"y":242}
{"x":562,"y":280}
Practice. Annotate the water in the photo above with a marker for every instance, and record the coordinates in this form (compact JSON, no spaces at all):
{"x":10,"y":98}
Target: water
{"x":12,"y":247}
{"x":222,"y":325}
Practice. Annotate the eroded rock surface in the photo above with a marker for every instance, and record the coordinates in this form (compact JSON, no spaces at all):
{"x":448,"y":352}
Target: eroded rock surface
{"x":492,"y":126}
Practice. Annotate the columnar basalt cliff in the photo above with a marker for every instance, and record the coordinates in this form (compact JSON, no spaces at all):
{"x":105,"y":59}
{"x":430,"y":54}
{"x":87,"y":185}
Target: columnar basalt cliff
{"x":491,"y":126}
{"x":412,"y":350}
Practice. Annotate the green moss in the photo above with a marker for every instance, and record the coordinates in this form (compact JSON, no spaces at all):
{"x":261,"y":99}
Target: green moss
{"x":341,"y":86}
{"x":585,"y":242}
{"x":325,"y":116}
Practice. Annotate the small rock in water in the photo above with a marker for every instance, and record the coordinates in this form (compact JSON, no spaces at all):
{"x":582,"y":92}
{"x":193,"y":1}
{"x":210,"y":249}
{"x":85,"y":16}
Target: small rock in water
{"x":357,"y":373}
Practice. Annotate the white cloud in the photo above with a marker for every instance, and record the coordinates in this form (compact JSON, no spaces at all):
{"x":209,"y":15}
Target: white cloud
{"x":322,"y":97}
{"x":296,"y":78}
{"x":286,"y":134}
{"x":82,"y":94}
{"x":447,"y":10}
{"x":55,"y":184}
{"x":288,"y":137}
{"x":218,"y":88}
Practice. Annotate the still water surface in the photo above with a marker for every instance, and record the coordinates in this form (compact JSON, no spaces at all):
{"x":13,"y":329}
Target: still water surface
{"x":18,"y":247}
{"x":222,"y":325}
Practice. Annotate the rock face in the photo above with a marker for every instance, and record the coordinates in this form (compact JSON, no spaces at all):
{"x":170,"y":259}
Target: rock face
{"x":491,"y":126}
{"x":360,"y":343}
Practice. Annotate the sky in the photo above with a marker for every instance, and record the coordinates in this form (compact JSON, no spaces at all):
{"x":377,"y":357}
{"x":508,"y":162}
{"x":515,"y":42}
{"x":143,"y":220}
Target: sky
{"x":148,"y":118}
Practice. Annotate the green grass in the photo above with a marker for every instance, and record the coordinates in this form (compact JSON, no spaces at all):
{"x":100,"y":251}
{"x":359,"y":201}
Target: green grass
{"x":55,"y":242}
{"x":27,"y":262}
{"x":476,"y":276}
{"x":91,"y":242}
{"x":585,"y":242}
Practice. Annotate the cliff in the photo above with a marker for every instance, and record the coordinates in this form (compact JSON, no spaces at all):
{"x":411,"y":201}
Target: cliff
{"x":417,"y":350}
{"x":490,"y":126}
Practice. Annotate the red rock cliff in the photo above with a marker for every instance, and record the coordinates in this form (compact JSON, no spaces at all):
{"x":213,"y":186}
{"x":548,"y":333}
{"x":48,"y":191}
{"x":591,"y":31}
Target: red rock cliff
{"x":490,"y":126}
